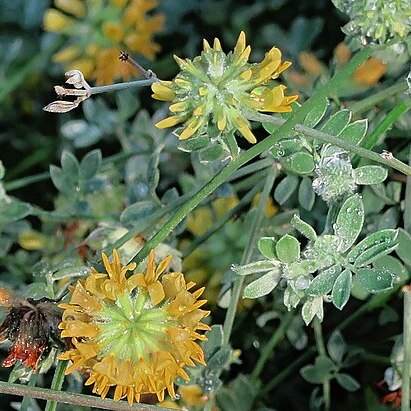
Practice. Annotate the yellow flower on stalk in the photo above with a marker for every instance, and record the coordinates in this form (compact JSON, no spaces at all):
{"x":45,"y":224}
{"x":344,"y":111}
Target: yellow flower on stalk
{"x":98,"y":30}
{"x":133,"y":333}
{"x":215,"y":88}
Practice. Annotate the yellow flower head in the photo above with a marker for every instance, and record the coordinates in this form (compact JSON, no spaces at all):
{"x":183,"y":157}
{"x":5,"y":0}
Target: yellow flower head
{"x":98,"y":30}
{"x":133,"y":333}
{"x":214,"y":89}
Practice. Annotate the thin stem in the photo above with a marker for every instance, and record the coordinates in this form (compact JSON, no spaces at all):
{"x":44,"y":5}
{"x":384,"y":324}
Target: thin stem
{"x":254,"y":151}
{"x":287,"y":371}
{"x":406,"y":365}
{"x":221,"y":222}
{"x":57,"y":383}
{"x":319,"y":342}
{"x":407,"y":202}
{"x":383,"y":126}
{"x":73,"y":398}
{"x":272,"y":343}
{"x":382,"y":95}
{"x":253,"y":234}
{"x":387,"y":160}
{"x":122,"y":86}
{"x":25,"y":404}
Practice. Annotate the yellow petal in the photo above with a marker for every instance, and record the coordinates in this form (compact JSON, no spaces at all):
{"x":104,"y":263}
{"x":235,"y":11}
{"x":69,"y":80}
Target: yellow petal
{"x":54,"y":20}
{"x":156,"y":292}
{"x":113,"y":31}
{"x":67,"y":54}
{"x":74,"y":7}
{"x":176,"y":107}
{"x":189,"y":131}
{"x":162,"y":91}
{"x":244,"y":129}
{"x":169,"y":122}
{"x":206,"y":45}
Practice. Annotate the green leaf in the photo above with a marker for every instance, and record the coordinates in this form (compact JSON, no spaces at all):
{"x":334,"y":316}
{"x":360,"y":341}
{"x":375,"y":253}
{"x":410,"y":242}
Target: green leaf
{"x":323,"y":283}
{"x":70,"y":272}
{"x":336,"y":346}
{"x":288,"y":249}
{"x":387,"y":237}
{"x":404,"y":246}
{"x":300,"y":163}
{"x":319,"y":372}
{"x":194,"y":143}
{"x":375,"y":280}
{"x":375,"y":252}
{"x":90,"y":164}
{"x":2,"y":170}
{"x":347,"y":382}
{"x":211,"y":153}
{"x":342,"y":289}
{"x":219,"y":360}
{"x":214,"y":341}
{"x":81,"y":132}
{"x":16,"y":210}
{"x":70,"y":165}
{"x":349,"y":222}
{"x":60,"y":180}
{"x":256,"y":267}
{"x":263,"y":285}
{"x":367,"y":175}
{"x":134,"y":213}
{"x":285,"y":188}
{"x":306,"y":195}
{"x":266,"y":245}
{"x":317,"y":113}
{"x":304,"y":228}
{"x":311,"y":308}
{"x":337,"y":123}
{"x":392,"y":265}
{"x":355,"y":131}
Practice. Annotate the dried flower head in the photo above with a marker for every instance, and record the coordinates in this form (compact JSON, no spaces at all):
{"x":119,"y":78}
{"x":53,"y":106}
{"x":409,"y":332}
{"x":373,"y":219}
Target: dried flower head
{"x":98,"y":30}
{"x":377,"y":21}
{"x":214,"y":89}
{"x":32,"y":328}
{"x":133,"y":333}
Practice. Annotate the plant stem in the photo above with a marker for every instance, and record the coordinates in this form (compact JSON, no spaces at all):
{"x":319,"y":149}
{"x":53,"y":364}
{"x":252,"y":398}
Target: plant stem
{"x":254,"y":151}
{"x":387,"y":160}
{"x":220,"y":223}
{"x":382,"y":95}
{"x":383,"y":126}
{"x":122,"y":86}
{"x":319,"y":341}
{"x":25,"y":404}
{"x":272,"y":343}
{"x":406,"y":365}
{"x":282,"y":375}
{"x":407,"y":202}
{"x":253,"y":234}
{"x":57,"y":383}
{"x":73,"y":398}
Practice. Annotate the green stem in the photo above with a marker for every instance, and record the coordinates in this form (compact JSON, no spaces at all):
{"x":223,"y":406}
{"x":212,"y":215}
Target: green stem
{"x":407,"y":202}
{"x":253,"y":234}
{"x":282,"y":131}
{"x":122,"y":86}
{"x":383,"y":126}
{"x":290,"y":369}
{"x":57,"y":383}
{"x":406,"y":365}
{"x":272,"y":343}
{"x":74,"y":399}
{"x":319,"y":341}
{"x":25,"y":404}
{"x":220,"y":223}
{"x":387,"y":160}
{"x":382,"y":95}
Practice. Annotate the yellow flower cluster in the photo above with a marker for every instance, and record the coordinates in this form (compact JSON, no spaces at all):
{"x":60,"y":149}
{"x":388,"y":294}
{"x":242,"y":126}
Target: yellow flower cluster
{"x":134,"y":333}
{"x":216,"y":88}
{"x":99,"y":29}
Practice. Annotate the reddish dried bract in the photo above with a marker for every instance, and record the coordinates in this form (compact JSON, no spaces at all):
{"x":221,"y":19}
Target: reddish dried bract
{"x":32,"y":328}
